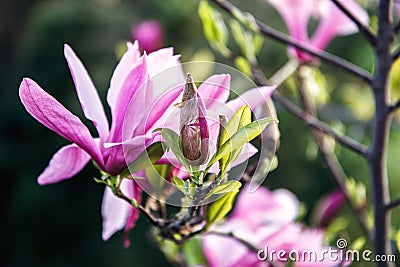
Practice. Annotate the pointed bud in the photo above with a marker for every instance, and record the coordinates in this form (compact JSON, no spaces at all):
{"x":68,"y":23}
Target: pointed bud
{"x":193,"y":124}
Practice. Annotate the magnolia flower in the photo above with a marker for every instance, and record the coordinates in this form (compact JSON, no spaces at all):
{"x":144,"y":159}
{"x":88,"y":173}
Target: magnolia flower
{"x":332,"y":21}
{"x":130,"y":95}
{"x":265,"y":219}
{"x":328,"y":207}
{"x":149,"y":34}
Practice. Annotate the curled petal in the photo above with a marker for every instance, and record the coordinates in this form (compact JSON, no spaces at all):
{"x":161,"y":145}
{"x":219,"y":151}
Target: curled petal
{"x":252,"y":98}
{"x":215,"y":90}
{"x":128,"y":62}
{"x":67,"y":162}
{"x":57,"y":118}
{"x":87,"y":93}
{"x":132,"y":89}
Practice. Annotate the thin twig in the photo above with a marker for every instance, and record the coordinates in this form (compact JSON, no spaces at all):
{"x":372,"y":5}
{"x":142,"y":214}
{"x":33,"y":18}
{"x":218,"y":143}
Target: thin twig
{"x":371,"y":37}
{"x":307,"y":118}
{"x":395,"y":203}
{"x":330,"y":158}
{"x":319,"y":125}
{"x":283,"y":38}
{"x":394,"y":107}
{"x":396,"y":54}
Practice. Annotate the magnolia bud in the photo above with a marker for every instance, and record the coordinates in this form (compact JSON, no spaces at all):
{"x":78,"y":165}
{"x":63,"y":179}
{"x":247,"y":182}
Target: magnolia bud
{"x":193,"y":125}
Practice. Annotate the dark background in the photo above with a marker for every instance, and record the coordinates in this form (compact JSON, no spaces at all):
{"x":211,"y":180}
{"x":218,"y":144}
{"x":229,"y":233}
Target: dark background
{"x":60,"y":224}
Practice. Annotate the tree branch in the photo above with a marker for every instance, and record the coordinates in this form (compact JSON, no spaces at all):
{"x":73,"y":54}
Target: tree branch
{"x":394,"y":107}
{"x":306,"y":117}
{"x":396,"y":54}
{"x":395,"y":203}
{"x":330,"y":158}
{"x":380,"y":133}
{"x":278,"y":36}
{"x":365,"y":30}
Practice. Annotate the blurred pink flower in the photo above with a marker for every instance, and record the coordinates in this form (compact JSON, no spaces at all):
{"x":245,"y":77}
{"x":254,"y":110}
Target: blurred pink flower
{"x":332,"y":21}
{"x":130,"y":96}
{"x":328,"y":207}
{"x":150,"y":35}
{"x":266,"y":220}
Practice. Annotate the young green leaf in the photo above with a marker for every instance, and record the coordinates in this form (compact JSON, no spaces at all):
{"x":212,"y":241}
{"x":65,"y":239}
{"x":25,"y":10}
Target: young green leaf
{"x":214,"y":27}
{"x":241,"y":137}
{"x":179,"y":183}
{"x":146,"y":159}
{"x":220,"y":208}
{"x":241,"y":118}
{"x":172,"y":141}
{"x":225,"y":188}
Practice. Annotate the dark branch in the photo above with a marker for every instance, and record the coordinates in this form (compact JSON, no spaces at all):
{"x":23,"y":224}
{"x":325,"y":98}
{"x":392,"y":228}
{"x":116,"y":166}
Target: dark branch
{"x":319,"y":125}
{"x":365,"y":30}
{"x":396,"y":54}
{"x":395,"y":203}
{"x":283,"y":38}
{"x":307,"y":118}
{"x":394,"y":107}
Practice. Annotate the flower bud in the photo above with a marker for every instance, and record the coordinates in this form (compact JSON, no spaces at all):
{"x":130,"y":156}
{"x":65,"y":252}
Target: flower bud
{"x":149,"y":34}
{"x":193,"y":125}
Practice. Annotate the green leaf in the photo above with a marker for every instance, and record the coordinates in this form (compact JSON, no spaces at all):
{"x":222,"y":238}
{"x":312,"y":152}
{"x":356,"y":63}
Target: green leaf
{"x":241,"y":137}
{"x":220,"y":208}
{"x":243,"y":65}
{"x":357,"y":192}
{"x":172,"y":142}
{"x":193,"y":251}
{"x":214,"y":27}
{"x":179,"y":183}
{"x":156,"y":176}
{"x":225,"y":188}
{"x":358,"y":243}
{"x":398,"y":240}
{"x":241,"y":118}
{"x":146,"y":159}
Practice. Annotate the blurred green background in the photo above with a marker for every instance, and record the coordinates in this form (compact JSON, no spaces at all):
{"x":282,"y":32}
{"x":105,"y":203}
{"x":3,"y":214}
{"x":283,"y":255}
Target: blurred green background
{"x":60,"y":225}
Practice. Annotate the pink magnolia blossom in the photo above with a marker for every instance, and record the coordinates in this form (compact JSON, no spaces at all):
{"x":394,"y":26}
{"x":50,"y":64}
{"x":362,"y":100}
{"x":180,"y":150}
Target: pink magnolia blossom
{"x":130,"y":95}
{"x":332,"y":21}
{"x":266,"y":220}
{"x":328,"y":207}
{"x":213,"y":93}
{"x":149,"y":34}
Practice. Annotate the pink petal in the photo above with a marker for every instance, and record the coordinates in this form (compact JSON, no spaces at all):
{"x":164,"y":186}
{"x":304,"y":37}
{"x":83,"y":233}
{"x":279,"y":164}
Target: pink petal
{"x":87,"y":93}
{"x":115,"y":211}
{"x":128,"y":62}
{"x":272,"y":208}
{"x":295,"y":14}
{"x":162,"y":113}
{"x":135,"y":193}
{"x":132,"y":89}
{"x":67,"y":162}
{"x":334,"y":22}
{"x":215,"y":90}
{"x":253,"y":98}
{"x":162,"y":60}
{"x":57,"y":118}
